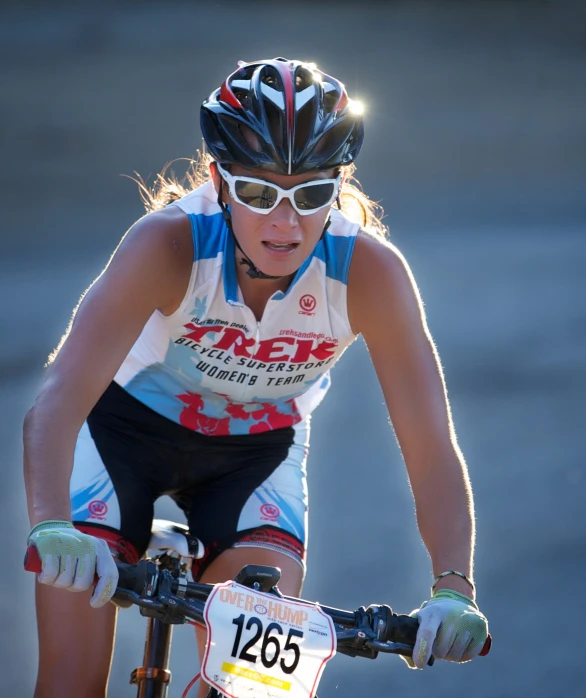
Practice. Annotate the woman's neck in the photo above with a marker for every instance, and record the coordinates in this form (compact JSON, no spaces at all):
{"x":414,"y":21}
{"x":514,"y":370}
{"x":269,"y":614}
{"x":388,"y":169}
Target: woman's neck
{"x":256,"y":292}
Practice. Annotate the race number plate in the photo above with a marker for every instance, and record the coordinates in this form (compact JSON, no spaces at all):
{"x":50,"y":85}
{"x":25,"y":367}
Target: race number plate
{"x":261,"y":646}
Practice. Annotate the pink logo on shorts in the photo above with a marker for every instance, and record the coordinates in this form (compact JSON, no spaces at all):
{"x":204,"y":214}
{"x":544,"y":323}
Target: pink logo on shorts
{"x":97,"y":509}
{"x":269,"y":512}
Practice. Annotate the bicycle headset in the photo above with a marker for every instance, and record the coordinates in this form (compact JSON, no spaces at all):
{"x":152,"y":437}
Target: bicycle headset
{"x":281,"y":116}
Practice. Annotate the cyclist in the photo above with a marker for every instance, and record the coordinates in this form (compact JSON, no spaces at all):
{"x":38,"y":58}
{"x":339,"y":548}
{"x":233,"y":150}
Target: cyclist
{"x":194,"y":361}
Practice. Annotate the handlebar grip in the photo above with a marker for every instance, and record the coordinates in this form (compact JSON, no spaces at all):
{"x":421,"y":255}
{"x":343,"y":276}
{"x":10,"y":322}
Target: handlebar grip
{"x":32,"y":561}
{"x":404,"y":630}
{"x":487,"y":645}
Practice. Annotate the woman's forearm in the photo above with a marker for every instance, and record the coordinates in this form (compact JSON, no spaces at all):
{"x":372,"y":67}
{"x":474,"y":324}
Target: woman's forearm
{"x":445,"y":516}
{"x":49,"y":434}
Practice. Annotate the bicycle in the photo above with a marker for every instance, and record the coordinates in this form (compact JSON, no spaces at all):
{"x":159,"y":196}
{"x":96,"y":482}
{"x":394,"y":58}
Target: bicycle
{"x":159,"y":587}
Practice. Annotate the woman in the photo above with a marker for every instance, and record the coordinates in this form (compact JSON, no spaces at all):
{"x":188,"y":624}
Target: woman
{"x":194,"y":361}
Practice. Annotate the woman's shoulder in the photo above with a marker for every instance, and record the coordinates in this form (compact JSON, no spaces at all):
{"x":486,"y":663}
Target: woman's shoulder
{"x":167,"y":231}
{"x":375,"y":254}
{"x":379,"y":276}
{"x":157,"y":250}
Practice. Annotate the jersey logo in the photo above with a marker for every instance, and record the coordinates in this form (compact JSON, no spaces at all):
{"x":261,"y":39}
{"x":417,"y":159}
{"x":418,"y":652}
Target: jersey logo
{"x":307,"y":304}
{"x":284,"y":348}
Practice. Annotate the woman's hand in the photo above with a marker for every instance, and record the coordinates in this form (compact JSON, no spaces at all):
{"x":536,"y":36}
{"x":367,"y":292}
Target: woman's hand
{"x":71,"y":559}
{"x":450,"y":627}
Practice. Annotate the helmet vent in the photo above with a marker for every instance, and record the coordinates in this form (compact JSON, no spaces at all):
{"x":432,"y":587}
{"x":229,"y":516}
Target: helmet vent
{"x":330,"y":99}
{"x":243,"y":97}
{"x":303,"y":79}
{"x":271,"y":79}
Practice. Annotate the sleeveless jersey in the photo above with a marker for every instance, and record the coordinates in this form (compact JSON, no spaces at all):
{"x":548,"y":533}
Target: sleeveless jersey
{"x":212,"y":367}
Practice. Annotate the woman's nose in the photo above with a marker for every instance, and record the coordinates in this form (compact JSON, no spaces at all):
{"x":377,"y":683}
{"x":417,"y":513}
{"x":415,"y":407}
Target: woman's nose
{"x":284,"y":216}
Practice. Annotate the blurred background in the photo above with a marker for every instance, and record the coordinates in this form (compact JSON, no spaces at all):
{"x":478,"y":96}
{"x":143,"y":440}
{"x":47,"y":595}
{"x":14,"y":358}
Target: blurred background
{"x":476,"y":148}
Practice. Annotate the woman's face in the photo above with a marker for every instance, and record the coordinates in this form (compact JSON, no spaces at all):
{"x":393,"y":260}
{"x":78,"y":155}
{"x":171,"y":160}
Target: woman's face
{"x":279,"y":242}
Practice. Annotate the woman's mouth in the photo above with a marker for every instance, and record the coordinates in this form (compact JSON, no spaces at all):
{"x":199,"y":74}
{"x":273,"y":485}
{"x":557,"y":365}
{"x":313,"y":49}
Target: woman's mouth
{"x":280,"y":248}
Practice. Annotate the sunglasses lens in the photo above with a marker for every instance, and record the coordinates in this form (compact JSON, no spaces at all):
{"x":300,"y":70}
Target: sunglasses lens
{"x":310,"y":198}
{"x":255,"y":194}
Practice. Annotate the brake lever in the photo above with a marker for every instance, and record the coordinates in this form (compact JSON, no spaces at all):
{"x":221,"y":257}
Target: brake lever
{"x":391,"y":647}
{"x":395,"y":648}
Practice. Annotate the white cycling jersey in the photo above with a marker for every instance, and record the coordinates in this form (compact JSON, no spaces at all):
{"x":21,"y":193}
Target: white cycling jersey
{"x":212,"y":367}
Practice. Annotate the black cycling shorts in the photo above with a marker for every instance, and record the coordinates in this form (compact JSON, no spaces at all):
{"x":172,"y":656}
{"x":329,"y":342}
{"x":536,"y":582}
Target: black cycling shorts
{"x":247,"y":490}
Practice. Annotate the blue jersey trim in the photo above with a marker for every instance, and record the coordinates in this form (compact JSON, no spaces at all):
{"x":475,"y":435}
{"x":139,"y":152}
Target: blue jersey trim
{"x":229,"y":270}
{"x":208,"y":234}
{"x":336,"y":252}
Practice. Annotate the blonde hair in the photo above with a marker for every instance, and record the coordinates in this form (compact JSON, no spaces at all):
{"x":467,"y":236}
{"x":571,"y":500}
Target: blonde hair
{"x":167,"y":188}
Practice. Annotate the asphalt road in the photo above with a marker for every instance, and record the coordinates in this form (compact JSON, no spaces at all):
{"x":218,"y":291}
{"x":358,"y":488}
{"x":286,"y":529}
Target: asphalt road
{"x":475,"y":147}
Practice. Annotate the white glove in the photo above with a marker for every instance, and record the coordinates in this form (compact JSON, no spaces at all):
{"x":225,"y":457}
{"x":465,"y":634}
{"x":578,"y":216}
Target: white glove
{"x":450,"y":627}
{"x":70,"y":560}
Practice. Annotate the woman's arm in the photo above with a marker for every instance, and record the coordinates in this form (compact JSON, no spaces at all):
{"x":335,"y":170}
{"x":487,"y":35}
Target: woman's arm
{"x":149,"y":270}
{"x":385,"y":307}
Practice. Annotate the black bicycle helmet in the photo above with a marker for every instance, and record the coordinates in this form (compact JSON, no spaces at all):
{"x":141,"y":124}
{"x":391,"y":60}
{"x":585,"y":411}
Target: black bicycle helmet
{"x":281,"y":116}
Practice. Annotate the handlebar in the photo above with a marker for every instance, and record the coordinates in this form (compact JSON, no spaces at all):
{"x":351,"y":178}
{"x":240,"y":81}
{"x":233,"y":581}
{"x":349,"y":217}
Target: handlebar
{"x":364,"y":632}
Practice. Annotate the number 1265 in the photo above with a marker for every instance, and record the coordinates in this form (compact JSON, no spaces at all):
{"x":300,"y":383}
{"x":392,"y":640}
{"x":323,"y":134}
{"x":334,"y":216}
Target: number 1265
{"x":269,"y":641}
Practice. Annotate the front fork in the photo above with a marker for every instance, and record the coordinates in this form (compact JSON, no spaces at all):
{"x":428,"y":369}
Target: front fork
{"x":153,"y":677}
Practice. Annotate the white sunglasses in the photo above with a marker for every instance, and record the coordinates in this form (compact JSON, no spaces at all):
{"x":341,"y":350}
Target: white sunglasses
{"x":261,"y":196}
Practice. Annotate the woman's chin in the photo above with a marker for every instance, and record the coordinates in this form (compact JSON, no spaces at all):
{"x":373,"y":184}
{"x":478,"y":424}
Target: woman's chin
{"x":284,"y":265}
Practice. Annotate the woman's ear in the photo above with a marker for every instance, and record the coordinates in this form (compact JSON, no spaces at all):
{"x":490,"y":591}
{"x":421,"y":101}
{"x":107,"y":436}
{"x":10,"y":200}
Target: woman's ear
{"x":216,"y":177}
